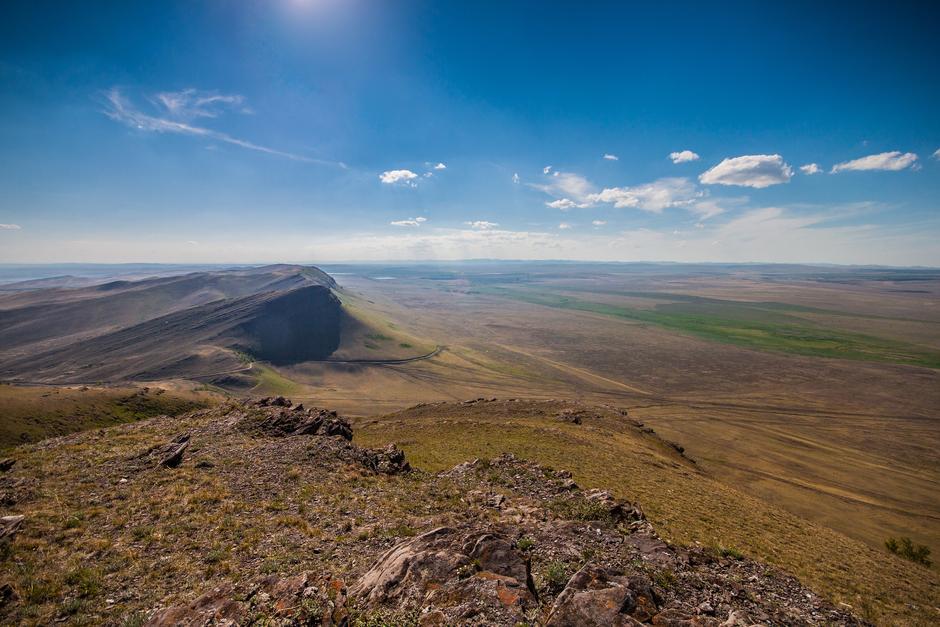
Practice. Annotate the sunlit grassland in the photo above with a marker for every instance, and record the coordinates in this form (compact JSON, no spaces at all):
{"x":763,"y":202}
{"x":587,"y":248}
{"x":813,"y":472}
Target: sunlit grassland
{"x":763,"y":326}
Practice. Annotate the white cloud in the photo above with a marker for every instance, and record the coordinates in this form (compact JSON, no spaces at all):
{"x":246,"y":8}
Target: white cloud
{"x":546,"y":169}
{"x":411,"y":222}
{"x":683,"y":156}
{"x":893,"y":161}
{"x":936,"y":154}
{"x":9,"y":227}
{"x":391,"y":177}
{"x":611,"y":157}
{"x":516,"y":179}
{"x":565,"y":204}
{"x":757,"y":171}
{"x":440,"y":166}
{"x":598,"y":222}
{"x":564,"y":226}
{"x":120,"y":109}
{"x":654,"y":197}
{"x":428,"y":175}
{"x":192,"y":242}
{"x":810,"y":168}
{"x":482,"y":225}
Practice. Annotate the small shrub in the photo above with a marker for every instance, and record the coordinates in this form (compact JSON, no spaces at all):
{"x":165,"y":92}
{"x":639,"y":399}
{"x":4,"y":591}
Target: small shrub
{"x":556,"y":575}
{"x":665,"y":579}
{"x":904,"y":547}
{"x":524,"y":544}
{"x":87,"y":581}
{"x":731,"y":552}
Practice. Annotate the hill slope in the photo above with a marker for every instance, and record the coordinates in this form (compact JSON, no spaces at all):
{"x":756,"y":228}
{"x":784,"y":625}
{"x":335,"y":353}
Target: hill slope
{"x":169,"y":327}
{"x":254,"y":512}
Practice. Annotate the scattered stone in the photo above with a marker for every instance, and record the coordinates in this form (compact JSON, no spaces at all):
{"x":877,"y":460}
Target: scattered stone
{"x":177,"y":447}
{"x":7,"y":464}
{"x":9,"y":525}
{"x":7,"y":594}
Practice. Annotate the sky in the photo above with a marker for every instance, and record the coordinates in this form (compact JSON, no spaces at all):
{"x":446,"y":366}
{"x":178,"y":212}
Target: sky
{"x":357,"y":130}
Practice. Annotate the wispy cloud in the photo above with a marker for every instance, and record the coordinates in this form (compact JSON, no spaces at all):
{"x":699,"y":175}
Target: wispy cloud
{"x":440,"y":166}
{"x":706,"y":209}
{"x":598,"y":222}
{"x":756,"y":171}
{"x":482,"y":225}
{"x":810,"y":168}
{"x":611,"y":157}
{"x":404,"y":177}
{"x":683,"y":156}
{"x":413,"y":222}
{"x":564,"y":226}
{"x":566,"y":185}
{"x":892,"y":161}
{"x":10,"y":227}
{"x":546,"y":169}
{"x":936,"y":154}
{"x":192,"y":103}
{"x":120,"y":109}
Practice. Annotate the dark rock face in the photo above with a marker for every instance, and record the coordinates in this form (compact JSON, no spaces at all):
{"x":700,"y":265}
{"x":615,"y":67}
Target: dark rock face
{"x":278,"y":417}
{"x":301,"y":325}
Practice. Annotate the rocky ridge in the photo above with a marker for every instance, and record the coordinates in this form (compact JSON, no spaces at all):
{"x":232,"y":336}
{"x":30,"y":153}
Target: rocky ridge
{"x":266,"y":513}
{"x":523,"y":544}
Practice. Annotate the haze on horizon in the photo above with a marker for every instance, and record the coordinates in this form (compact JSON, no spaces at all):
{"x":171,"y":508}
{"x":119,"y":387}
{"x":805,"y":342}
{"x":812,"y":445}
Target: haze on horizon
{"x":329,"y":130}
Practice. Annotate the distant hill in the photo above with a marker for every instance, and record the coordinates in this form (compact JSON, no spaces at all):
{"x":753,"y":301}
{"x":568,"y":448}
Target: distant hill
{"x":180,"y":326}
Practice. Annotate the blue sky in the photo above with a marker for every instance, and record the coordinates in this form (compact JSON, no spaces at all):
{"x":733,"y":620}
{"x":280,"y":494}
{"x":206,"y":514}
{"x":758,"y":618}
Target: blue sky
{"x":316,"y":130}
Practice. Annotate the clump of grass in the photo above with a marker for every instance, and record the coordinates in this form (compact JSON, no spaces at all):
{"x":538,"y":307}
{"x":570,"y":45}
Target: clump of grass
{"x":729,"y":551}
{"x":904,"y":547}
{"x":524,"y":544}
{"x":665,"y":579}
{"x":86,"y":581}
{"x":556,"y":575}
{"x":404,"y":345}
{"x":581,"y":509}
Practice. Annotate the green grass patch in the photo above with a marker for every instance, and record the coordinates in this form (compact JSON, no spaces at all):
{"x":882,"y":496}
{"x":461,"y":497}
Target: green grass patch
{"x":759,"y":327}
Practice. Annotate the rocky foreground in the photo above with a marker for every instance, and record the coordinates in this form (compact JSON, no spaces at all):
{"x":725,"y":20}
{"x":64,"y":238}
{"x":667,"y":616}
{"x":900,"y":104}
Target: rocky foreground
{"x":275,"y":517}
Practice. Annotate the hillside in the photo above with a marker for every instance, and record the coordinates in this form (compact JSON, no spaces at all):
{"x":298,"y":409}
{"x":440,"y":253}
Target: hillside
{"x":207,"y":326}
{"x":261,"y":511}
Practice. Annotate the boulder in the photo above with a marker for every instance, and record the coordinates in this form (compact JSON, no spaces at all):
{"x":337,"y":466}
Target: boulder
{"x":596,"y":596}
{"x":459,"y":574}
{"x":172,"y":454}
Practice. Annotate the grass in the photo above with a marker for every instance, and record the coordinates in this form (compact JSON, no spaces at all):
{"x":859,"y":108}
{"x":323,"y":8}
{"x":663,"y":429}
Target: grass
{"x":29,"y":414}
{"x":272,"y":382}
{"x":760,"y":326}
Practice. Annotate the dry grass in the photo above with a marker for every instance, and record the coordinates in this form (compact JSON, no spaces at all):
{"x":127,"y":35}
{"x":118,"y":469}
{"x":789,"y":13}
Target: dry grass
{"x":685,"y":505}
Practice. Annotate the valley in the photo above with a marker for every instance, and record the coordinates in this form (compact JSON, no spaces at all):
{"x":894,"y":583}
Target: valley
{"x":804,"y":398}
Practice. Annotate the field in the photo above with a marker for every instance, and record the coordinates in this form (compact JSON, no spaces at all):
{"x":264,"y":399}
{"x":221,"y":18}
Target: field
{"x":805,"y":399}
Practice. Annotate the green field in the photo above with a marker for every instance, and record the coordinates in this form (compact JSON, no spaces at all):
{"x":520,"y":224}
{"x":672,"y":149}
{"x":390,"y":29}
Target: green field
{"x":763,"y":326}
